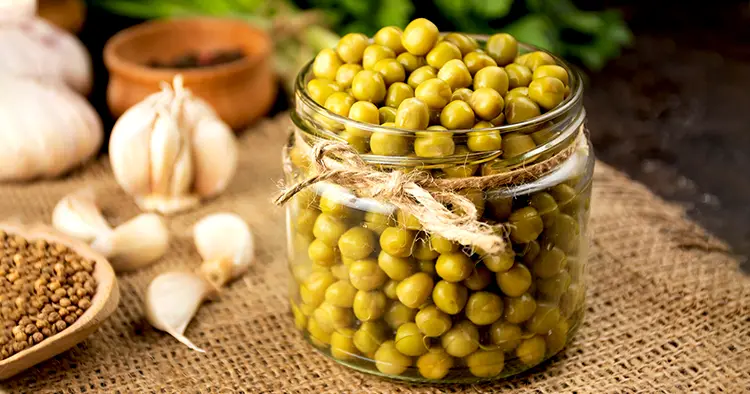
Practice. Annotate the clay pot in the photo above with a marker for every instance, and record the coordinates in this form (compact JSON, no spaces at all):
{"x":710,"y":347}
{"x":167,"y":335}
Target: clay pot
{"x":240,"y":91}
{"x":65,"y":14}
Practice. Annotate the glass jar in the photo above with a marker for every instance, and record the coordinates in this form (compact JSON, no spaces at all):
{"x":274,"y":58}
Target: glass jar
{"x":375,"y":292}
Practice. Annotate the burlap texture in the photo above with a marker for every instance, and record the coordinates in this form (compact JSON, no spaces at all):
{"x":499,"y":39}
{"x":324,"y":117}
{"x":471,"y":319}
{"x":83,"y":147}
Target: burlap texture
{"x":667,"y":308}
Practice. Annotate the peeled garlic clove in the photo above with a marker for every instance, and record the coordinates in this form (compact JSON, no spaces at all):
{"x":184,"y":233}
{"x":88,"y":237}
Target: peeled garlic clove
{"x":129,"y":149}
{"x":182,"y":174}
{"x":78,"y":216}
{"x":172,"y":299}
{"x":166,"y":205}
{"x":224,"y":237}
{"x":216,"y":159}
{"x":164,"y":148}
{"x":135,"y":243}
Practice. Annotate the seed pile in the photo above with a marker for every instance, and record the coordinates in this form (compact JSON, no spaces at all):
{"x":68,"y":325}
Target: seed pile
{"x":44,"y":288}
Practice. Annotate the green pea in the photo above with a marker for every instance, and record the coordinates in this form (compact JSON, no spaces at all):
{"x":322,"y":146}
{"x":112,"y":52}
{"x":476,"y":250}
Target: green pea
{"x":442,"y":245}
{"x":499,"y":206}
{"x":464,"y":170}
{"x":351,"y":47}
{"x":318,"y":336}
{"x":480,"y":278}
{"x":442,"y":53}
{"x":517,"y":92}
{"x":433,"y":322}
{"x":423,"y":250}
{"x":456,"y":74}
{"x":434,"y":92}
{"x":369,"y":305}
{"x":391,"y":70}
{"x":434,"y":144}
{"x":397,"y":93}
{"x":549,"y":262}
{"x":345,"y":75}
{"x":331,"y":317}
{"x":427,"y":267}
{"x":462,"y":41}
{"x":503,"y":47}
{"x":519,"y":309}
{"x":463,"y":94}
{"x":410,"y":341}
{"x":397,"y":241}
{"x":368,"y":85}
{"x":519,"y":109}
{"x":408,"y":221}
{"x":557,"y":337}
{"x":526,"y":225}
{"x":546,"y":206}
{"x":454,"y":267}
{"x":374,"y":53}
{"x":390,"y":289}
{"x":548,"y":92}
{"x":411,"y":62}
{"x":457,"y":115}
{"x":389,"y":143}
{"x":415,"y":290}
{"x":337,"y":201}
{"x":389,"y":360}
{"x":545,"y":317}
{"x":412,"y":114}
{"x":484,"y":308}
{"x":386,"y":115}
{"x":313,"y":289}
{"x":329,"y":229}
{"x":505,"y":336}
{"x":517,"y":144}
{"x":326,"y":64}
{"x":536,"y":59}
{"x":461,"y":340}
{"x":514,"y":281}
{"x":397,"y":268}
{"x":565,"y":196}
{"x":305,"y":221}
{"x":486,"y":363}
{"x":519,"y":76}
{"x":419,"y":36}
{"x":484,"y":141}
{"x":390,"y":36}
{"x":551,"y":70}
{"x":418,"y":76}
{"x":554,"y":287}
{"x":320,"y":89}
{"x":377,"y":222}
{"x":435,"y":364}
{"x":360,"y":144}
{"x":366,"y":275}
{"x":341,"y":294}
{"x":342,"y":344}
{"x":492,"y":77}
{"x":487,"y":103}
{"x":368,"y":338}
{"x":530,"y":252}
{"x":340,"y":271}
{"x":357,"y":243}
{"x":543,"y":136}
{"x":321,"y":254}
{"x":450,"y":297}
{"x":398,"y":314}
{"x":478,"y":60}
{"x":365,"y":112}
{"x":564,"y":233}
{"x":339,"y":103}
{"x":531,"y":351}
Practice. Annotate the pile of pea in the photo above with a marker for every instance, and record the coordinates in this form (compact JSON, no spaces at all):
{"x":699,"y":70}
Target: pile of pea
{"x":374,"y":290}
{"x":416,"y":79}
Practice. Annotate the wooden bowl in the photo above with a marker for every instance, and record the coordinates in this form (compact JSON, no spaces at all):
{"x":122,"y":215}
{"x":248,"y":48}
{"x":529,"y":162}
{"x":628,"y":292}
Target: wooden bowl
{"x":102,"y":305}
{"x":240,"y":91}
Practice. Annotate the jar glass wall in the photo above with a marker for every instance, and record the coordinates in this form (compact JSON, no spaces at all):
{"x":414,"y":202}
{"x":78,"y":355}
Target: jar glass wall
{"x":374,"y":291}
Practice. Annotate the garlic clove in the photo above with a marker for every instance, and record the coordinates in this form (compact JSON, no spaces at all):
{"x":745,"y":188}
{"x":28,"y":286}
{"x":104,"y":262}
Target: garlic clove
{"x":172,"y":299}
{"x":134,"y":244}
{"x":216,"y":160}
{"x":164,"y":148}
{"x":77,"y":215}
{"x":129,"y":148}
{"x":182,"y":175}
{"x":224,"y":236}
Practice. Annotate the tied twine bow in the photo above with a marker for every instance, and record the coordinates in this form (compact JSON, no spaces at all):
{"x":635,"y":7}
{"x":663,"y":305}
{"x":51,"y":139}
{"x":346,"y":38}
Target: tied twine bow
{"x":420,"y":194}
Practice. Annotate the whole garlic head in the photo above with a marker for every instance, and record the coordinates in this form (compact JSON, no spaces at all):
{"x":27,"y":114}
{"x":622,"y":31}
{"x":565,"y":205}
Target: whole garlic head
{"x":171,"y":150}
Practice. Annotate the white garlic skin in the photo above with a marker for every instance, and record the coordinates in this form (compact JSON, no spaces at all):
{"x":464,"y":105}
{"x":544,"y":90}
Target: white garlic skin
{"x":46,"y":129}
{"x":35,"y":48}
{"x":171,"y":150}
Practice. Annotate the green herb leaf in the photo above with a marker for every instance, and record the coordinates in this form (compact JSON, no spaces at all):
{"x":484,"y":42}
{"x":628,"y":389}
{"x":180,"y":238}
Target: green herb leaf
{"x":358,"y":8}
{"x":536,"y":30}
{"x":492,"y":9}
{"x":453,"y":8}
{"x":394,"y":13}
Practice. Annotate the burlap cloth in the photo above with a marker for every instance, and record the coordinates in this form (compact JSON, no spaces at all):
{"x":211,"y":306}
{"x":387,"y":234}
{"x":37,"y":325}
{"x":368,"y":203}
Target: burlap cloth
{"x":667,"y":309}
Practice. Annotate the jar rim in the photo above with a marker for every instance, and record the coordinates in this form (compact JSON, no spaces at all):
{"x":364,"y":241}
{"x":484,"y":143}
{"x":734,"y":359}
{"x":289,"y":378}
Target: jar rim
{"x":570,"y":102}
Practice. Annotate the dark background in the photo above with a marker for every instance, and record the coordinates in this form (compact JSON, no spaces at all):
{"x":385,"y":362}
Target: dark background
{"x":673,"y":111}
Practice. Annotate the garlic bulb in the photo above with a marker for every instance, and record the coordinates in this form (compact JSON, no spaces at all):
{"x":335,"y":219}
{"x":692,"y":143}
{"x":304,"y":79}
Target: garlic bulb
{"x":226,"y":245}
{"x":171,"y":150}
{"x":46,"y":129}
{"x":13,"y":10}
{"x":32,"y":47}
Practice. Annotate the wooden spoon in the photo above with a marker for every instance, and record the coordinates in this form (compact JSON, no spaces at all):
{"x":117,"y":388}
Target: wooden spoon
{"x":103,"y":303}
